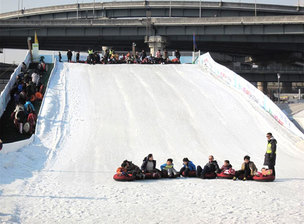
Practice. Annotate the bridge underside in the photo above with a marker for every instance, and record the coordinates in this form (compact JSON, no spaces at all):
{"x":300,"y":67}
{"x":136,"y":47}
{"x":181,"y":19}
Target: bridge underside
{"x":227,"y":44}
{"x":238,"y":28}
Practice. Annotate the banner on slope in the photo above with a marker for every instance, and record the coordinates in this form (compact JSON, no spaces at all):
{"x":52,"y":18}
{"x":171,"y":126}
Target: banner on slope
{"x":234,"y":80}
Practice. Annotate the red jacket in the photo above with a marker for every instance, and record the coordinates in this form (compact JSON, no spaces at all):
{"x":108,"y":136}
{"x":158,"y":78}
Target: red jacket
{"x":120,"y":170}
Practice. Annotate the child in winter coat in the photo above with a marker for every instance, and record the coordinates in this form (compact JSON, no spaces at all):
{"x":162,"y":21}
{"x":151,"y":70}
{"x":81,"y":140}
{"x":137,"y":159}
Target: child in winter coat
{"x":188,"y":166}
{"x":247,"y":171}
{"x":168,"y":168}
{"x":123,"y":170}
{"x":227,"y":168}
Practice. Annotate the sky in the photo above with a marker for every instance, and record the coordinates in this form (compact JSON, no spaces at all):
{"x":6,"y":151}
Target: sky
{"x":13,"y":5}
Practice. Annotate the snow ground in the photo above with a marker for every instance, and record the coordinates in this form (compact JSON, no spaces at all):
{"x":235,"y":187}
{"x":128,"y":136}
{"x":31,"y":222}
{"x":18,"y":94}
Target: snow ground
{"x":94,"y":117}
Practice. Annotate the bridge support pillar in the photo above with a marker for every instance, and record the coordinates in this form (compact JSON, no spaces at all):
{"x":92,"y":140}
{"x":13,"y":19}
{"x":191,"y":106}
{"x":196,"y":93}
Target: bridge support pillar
{"x":155,"y":43}
{"x":262,"y":86}
{"x":286,"y":87}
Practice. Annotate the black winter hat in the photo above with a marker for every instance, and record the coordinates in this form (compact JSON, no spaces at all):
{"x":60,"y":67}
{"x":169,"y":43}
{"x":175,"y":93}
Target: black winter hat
{"x":124,"y":163}
{"x":247,"y":157}
{"x":185,"y":160}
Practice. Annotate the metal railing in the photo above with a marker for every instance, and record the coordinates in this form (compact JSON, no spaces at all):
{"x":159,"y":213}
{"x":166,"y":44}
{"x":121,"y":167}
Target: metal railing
{"x":248,"y":68}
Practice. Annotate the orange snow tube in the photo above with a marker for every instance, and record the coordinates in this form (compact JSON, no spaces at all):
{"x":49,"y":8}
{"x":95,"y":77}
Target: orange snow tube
{"x":38,"y":95}
{"x":33,"y":98}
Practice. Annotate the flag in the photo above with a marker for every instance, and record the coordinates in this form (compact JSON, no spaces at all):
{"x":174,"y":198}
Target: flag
{"x":36,"y":38}
{"x":194,"y":43}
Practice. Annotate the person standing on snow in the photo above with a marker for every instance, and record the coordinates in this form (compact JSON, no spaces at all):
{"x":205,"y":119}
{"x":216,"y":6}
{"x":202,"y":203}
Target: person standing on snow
{"x":69,"y":55}
{"x":270,"y":155}
{"x":78,"y":56}
{"x":60,"y":57}
{"x":177,"y":54}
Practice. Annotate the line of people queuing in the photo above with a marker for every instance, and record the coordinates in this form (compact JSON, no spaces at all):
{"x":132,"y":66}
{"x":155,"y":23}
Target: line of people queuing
{"x":26,"y":90}
{"x":247,"y":171}
{"x":111,"y":57}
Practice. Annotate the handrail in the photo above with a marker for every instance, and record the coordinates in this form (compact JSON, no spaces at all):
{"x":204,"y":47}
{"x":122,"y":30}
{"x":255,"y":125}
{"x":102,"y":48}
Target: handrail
{"x":5,"y":94}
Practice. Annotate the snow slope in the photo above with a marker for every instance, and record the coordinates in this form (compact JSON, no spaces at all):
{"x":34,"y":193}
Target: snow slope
{"x":94,"y":117}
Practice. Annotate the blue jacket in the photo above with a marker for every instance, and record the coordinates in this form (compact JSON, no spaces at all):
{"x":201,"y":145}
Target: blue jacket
{"x":162,"y":167}
{"x":191,"y":166}
{"x":26,"y":107}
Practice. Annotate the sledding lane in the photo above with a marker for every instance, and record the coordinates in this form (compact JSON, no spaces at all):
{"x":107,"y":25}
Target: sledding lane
{"x":94,"y":117}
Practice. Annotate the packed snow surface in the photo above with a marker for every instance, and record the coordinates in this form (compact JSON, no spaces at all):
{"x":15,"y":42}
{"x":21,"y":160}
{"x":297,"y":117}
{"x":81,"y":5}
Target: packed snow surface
{"x":94,"y":117}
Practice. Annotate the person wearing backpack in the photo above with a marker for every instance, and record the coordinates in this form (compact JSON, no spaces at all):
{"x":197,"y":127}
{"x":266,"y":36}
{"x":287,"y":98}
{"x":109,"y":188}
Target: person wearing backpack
{"x":29,"y":107}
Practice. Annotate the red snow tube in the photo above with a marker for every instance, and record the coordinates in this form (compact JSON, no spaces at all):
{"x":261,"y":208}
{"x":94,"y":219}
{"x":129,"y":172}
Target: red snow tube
{"x":123,"y":178}
{"x":191,"y":174}
{"x":152,"y":176}
{"x":210,"y":175}
{"x":224,"y":176}
{"x":241,"y":177}
{"x":264,"y":178}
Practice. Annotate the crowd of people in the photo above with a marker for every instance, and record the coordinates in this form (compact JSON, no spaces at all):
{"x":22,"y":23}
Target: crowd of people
{"x":111,"y":57}
{"x":247,"y":171}
{"x":27,"y":89}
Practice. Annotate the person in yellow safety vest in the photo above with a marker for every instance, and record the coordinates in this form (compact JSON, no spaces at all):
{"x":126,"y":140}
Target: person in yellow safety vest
{"x":270,"y":155}
{"x":90,"y":51}
{"x":111,"y":53}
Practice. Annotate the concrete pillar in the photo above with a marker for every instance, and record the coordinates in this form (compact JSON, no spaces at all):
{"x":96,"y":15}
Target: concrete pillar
{"x":156,"y":43}
{"x":286,"y":87}
{"x":262,"y":86}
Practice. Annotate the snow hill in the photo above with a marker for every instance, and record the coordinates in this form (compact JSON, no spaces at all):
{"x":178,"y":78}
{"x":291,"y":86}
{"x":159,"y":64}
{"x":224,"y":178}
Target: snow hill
{"x":94,"y":117}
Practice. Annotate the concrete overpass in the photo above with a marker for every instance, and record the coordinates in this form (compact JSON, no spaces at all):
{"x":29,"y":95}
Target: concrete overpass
{"x":222,"y":27}
{"x":157,"y":8}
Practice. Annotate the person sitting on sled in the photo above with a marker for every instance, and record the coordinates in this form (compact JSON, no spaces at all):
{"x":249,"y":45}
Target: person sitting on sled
{"x":168,"y":169}
{"x":188,"y":166}
{"x":134,"y":170}
{"x":227,"y":168}
{"x":149,"y":166}
{"x":210,"y":167}
{"x":123,"y":170}
{"x":247,"y":170}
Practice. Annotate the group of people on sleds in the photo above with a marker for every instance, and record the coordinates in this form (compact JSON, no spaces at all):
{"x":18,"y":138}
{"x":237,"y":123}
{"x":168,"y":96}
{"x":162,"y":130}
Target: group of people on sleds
{"x":26,"y":90}
{"x":111,"y":57}
{"x":211,"y":169}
